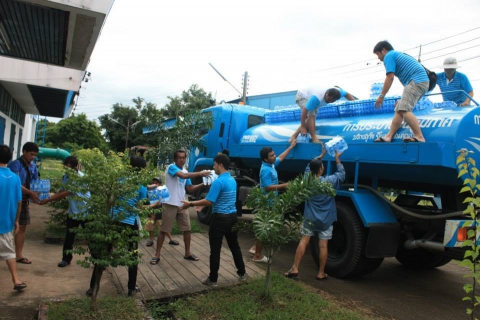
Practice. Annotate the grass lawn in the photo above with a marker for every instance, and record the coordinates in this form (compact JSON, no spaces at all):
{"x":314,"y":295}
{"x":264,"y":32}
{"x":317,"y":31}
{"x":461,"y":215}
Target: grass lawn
{"x":51,"y":169}
{"x":290,"y":299}
{"x":107,"y":308}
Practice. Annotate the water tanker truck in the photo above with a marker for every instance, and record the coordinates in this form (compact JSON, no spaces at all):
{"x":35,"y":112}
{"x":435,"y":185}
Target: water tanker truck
{"x":420,"y":227}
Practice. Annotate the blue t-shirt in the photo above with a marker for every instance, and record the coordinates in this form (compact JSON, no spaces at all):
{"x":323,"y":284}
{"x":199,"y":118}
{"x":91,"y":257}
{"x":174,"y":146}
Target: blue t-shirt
{"x":268,"y":175}
{"x":18,"y":168}
{"x":405,"y":67}
{"x":320,"y":211}
{"x":10,"y":196}
{"x":459,"y":82}
{"x":223,"y":194}
{"x":75,"y":206}
{"x":318,"y":99}
{"x":131,"y":217}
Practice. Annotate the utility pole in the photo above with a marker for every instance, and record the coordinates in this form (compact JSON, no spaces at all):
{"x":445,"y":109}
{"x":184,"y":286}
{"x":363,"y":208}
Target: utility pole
{"x":128,"y":129}
{"x":245,"y":87}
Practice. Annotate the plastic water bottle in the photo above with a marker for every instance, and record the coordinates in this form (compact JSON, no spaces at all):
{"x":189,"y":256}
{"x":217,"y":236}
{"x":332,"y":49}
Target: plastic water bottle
{"x":336,"y":144}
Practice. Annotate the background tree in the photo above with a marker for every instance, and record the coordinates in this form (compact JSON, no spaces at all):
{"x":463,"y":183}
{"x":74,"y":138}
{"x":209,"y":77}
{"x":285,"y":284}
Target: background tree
{"x":74,"y":133}
{"x":135,"y":118}
{"x":194,"y":99}
{"x":188,"y":128}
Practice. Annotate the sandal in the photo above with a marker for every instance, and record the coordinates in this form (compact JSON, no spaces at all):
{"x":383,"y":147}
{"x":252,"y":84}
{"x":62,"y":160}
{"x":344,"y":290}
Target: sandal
{"x":155,"y":260}
{"x":191,"y":257}
{"x":291,"y":275}
{"x":24,"y":261}
{"x":20,"y":286}
{"x":173,"y":242}
{"x":149,"y":243}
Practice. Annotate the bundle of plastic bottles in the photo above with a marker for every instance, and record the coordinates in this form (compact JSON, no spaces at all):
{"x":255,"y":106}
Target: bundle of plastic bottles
{"x":42,"y":187}
{"x":159,"y":193}
{"x":209,"y":179}
{"x":336,"y":144}
{"x":444,"y":105}
{"x":376,"y":89}
{"x":283,"y":114}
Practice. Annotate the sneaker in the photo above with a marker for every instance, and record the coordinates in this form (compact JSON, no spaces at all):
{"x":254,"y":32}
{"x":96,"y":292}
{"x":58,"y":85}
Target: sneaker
{"x":149,"y":243}
{"x":132,"y":292}
{"x":63,"y":263}
{"x":209,"y":283}
{"x":89,"y":292}
{"x":243,"y":277}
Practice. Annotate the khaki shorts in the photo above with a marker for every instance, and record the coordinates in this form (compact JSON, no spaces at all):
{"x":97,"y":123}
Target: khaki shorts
{"x":7,"y":249}
{"x":172,"y":213}
{"x":150,"y":226}
{"x":302,"y":103}
{"x":411,"y":94}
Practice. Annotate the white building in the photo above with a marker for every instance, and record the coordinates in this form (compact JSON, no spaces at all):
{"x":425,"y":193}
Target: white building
{"x":45,"y":47}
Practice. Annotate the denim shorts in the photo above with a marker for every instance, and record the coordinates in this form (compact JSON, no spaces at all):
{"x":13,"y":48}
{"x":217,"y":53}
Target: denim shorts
{"x":324,"y":234}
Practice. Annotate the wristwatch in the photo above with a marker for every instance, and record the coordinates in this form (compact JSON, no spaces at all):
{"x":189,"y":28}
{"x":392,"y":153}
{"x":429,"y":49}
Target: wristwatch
{"x":381,"y":95}
{"x":191,"y":204}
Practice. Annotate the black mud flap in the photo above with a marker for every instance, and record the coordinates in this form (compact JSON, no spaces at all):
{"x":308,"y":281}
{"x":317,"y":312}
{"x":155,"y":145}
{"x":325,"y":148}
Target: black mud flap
{"x":382,"y":240}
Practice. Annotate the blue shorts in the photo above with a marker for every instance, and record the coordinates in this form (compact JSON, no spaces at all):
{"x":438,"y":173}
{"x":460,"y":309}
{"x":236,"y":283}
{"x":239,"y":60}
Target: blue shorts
{"x":324,"y":234}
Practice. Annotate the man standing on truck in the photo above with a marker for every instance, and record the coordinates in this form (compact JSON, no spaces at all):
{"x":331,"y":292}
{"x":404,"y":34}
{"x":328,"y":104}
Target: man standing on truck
{"x":450,"y":80}
{"x":309,"y":100}
{"x":221,"y":196}
{"x":319,"y":215}
{"x":269,"y":183}
{"x":415,"y":80}
{"x":176,"y":180}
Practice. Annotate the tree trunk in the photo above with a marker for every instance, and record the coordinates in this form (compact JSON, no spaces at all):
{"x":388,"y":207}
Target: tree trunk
{"x":98,"y":276}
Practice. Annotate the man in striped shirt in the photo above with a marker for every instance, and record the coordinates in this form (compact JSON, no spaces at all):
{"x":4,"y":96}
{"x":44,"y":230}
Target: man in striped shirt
{"x":221,"y":196}
{"x":452,"y":80}
{"x":415,"y":80}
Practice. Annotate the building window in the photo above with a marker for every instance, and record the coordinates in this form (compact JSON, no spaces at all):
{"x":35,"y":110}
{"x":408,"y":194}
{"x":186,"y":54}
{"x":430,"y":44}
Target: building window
{"x":10,"y":107}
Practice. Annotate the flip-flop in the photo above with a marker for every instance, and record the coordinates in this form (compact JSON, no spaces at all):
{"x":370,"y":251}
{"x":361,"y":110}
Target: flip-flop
{"x":191,"y":257}
{"x":380,"y":140}
{"x":174,"y":243}
{"x":406,"y":140}
{"x":24,"y":261}
{"x":291,"y":275}
{"x":323,"y":278}
{"x":155,"y":260}
{"x":20,"y":286}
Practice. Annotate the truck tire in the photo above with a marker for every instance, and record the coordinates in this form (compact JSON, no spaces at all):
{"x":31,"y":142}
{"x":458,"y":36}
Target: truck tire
{"x":346,"y":256}
{"x":420,"y":258}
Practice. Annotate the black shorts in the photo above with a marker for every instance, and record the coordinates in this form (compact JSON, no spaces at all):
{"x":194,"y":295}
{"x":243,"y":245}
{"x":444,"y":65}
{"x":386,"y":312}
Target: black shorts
{"x":24,"y":214}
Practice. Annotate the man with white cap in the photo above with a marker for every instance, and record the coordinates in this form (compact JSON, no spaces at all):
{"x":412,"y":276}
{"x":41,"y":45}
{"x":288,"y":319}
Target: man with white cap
{"x":452,"y":80}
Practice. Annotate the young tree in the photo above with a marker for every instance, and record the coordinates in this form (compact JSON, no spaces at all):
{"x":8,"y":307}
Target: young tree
{"x":111,"y":181}
{"x":270,"y":226}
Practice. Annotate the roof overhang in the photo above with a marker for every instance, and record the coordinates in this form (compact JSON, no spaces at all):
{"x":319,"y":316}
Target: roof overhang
{"x":45,"y":47}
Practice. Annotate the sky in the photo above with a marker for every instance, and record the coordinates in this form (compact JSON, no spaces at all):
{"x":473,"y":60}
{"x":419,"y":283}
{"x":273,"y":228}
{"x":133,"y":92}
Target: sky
{"x":155,"y":49}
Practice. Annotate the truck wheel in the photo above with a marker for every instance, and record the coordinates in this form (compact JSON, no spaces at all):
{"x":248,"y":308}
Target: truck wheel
{"x":346,"y":248}
{"x":420,"y":258}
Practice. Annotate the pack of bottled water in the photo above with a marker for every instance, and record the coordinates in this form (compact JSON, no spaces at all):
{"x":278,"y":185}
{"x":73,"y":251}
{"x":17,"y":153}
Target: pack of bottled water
{"x":209,"y":179}
{"x":164,"y":193}
{"x":376,"y":89}
{"x":303,"y":138}
{"x":444,"y":105}
{"x":42,"y":187}
{"x":336,"y":144}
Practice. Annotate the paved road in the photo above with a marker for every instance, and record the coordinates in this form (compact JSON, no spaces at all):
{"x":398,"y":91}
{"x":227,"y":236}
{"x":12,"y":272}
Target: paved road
{"x":391,"y":291}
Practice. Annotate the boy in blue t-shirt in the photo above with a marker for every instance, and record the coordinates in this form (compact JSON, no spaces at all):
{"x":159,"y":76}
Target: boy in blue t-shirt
{"x":11,"y":200}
